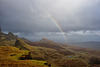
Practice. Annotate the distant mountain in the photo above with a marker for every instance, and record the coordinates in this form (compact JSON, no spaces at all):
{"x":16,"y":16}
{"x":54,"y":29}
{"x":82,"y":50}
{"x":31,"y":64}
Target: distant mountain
{"x":93,"y":45}
{"x":45,"y":43}
{"x":44,"y":40}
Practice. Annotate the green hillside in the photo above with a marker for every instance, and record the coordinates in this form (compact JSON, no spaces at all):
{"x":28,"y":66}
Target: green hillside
{"x":16,"y":52}
{"x":9,"y":57}
{"x":7,"y":39}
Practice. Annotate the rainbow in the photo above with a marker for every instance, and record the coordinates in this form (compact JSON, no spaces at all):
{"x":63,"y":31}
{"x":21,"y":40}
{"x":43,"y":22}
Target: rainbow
{"x":58,"y":26}
{"x":55,"y":22}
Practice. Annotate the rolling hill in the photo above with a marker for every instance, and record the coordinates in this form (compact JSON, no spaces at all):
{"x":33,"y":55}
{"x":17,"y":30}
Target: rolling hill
{"x":20,"y":52}
{"x":44,"y":43}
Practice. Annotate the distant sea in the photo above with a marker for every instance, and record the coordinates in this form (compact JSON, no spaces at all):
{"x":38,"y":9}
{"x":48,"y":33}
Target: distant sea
{"x":93,"y":45}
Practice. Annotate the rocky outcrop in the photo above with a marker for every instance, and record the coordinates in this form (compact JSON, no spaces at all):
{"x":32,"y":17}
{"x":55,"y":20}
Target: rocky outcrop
{"x":7,"y":39}
{"x":1,"y":33}
{"x":22,"y":45}
{"x":0,"y":29}
{"x":10,"y":33}
{"x":12,"y":36}
{"x":25,"y":57}
{"x":48,"y":64}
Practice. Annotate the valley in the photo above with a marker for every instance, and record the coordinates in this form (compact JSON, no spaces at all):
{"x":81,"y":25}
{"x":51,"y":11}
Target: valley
{"x":15,"y":51}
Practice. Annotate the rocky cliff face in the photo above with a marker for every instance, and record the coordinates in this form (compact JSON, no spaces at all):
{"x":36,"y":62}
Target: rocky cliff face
{"x":0,"y":29}
{"x":7,"y":39}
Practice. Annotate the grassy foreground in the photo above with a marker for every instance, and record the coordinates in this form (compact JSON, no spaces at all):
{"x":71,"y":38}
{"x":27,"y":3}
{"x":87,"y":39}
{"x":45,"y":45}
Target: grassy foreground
{"x":9,"y":57}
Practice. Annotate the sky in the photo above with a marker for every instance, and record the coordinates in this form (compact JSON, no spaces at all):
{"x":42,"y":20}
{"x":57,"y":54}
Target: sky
{"x":58,"y":20}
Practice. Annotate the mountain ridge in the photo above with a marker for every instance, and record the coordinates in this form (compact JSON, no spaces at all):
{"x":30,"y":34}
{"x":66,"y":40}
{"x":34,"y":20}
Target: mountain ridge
{"x":44,"y":43}
{"x":7,"y":39}
{"x":54,"y":54}
{"x":45,"y":40}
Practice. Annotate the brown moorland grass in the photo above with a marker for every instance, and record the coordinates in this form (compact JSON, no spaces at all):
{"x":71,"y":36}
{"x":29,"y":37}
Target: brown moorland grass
{"x":9,"y":58}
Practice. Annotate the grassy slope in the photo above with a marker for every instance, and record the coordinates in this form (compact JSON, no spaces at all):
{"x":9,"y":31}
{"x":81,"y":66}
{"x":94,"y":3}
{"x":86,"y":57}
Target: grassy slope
{"x":39,"y":53}
{"x":44,"y":43}
{"x":60,"y":56}
{"x":9,"y":58}
{"x":55,"y":55}
{"x":7,"y":39}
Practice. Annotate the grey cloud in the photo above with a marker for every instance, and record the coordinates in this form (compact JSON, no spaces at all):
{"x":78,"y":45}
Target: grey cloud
{"x":31,"y":16}
{"x":72,"y":36}
{"x":83,"y":36}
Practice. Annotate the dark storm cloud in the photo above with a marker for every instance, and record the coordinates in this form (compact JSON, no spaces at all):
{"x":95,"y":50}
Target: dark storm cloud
{"x":30,"y":15}
{"x":16,"y":15}
{"x":26,"y":17}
